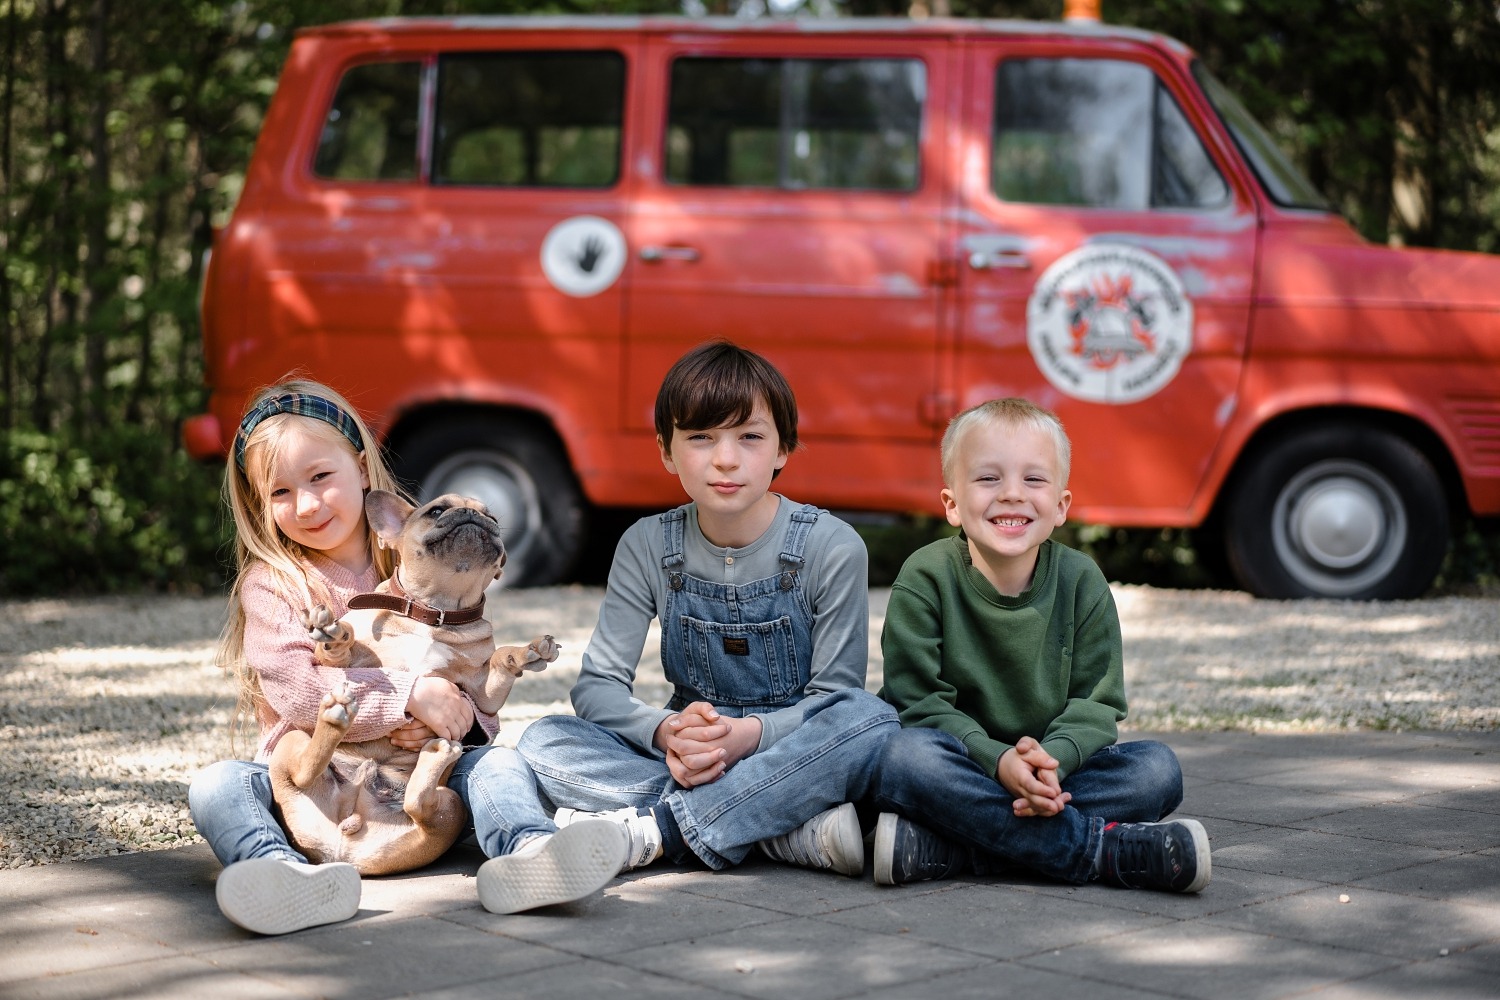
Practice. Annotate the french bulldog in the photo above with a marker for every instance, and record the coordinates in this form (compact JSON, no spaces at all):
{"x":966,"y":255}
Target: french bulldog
{"x":380,"y":807}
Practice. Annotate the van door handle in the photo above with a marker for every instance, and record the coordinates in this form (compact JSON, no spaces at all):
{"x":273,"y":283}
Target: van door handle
{"x":653,"y":254}
{"x":988,"y":260}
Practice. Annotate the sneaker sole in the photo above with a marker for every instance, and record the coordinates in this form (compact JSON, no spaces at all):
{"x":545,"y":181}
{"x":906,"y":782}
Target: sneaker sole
{"x":847,"y":850}
{"x":1202,"y":853}
{"x":885,"y":849}
{"x":578,"y":861}
{"x":269,"y":896}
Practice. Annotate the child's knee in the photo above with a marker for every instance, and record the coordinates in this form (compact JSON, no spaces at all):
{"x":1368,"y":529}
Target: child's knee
{"x":1158,"y":768}
{"x":859,"y":707}
{"x":917,"y":754}
{"x":550,"y":731}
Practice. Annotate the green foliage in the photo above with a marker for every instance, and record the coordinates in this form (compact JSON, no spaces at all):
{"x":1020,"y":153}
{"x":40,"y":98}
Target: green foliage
{"x":119,"y":516}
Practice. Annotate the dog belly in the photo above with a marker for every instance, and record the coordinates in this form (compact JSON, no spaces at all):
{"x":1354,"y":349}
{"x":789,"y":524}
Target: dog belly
{"x":381,"y":640}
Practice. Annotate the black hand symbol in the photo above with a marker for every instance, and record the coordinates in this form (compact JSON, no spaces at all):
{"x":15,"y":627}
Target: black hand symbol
{"x":593,"y":249}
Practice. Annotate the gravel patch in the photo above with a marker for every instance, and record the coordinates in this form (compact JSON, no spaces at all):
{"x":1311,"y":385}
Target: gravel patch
{"x":108,"y":706}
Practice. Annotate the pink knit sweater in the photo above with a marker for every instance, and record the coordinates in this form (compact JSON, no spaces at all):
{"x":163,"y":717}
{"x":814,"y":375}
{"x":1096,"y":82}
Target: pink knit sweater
{"x":292,"y":682}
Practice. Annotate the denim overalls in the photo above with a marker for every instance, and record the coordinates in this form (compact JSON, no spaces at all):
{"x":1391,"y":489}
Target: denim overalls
{"x":746,"y":649}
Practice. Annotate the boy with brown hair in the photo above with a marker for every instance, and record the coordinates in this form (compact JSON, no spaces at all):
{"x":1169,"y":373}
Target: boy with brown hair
{"x":769,"y":735}
{"x":1003,"y":656}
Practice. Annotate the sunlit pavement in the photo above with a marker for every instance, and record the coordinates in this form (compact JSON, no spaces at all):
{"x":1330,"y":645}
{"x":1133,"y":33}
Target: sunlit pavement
{"x":1345,"y":865}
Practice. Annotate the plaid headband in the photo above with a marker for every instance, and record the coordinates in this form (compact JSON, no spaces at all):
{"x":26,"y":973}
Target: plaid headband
{"x":300,"y":405}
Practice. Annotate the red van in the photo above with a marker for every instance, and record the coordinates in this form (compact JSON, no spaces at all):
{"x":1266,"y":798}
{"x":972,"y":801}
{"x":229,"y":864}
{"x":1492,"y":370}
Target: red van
{"x":496,"y":233}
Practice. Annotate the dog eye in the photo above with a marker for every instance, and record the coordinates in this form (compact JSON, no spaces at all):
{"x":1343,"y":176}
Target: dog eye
{"x":436,"y":511}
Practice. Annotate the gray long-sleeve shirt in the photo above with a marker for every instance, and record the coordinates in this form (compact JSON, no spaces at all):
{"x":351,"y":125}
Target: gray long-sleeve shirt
{"x":834,"y":578}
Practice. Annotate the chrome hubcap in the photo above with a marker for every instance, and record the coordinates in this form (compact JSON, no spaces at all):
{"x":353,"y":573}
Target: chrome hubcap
{"x":1339,"y":526}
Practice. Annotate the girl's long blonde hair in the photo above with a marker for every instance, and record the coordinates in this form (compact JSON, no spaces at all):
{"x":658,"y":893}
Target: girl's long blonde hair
{"x":257,"y":539}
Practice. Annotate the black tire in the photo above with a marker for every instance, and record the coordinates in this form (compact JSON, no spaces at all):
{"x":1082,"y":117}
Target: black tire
{"x":518,"y":469}
{"x":1340,"y":511}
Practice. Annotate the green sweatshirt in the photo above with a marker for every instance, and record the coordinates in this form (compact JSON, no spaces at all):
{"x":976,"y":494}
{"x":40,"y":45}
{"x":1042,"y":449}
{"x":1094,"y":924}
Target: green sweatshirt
{"x":990,"y":669}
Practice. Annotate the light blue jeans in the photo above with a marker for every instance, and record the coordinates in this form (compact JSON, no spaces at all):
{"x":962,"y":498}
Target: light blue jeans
{"x":826,"y":761}
{"x":927,"y":776}
{"x":233,"y":809}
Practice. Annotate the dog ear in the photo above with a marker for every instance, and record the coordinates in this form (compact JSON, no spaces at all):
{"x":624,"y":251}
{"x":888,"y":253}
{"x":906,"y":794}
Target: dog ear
{"x":387,"y":513}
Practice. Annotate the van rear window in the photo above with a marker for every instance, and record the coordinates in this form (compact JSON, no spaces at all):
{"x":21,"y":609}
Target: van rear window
{"x":370,"y":133}
{"x":796,"y":123}
{"x":529,"y":119}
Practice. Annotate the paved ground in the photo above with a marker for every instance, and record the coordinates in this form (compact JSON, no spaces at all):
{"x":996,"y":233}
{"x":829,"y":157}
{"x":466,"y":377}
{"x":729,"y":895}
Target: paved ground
{"x":1353,"y":865}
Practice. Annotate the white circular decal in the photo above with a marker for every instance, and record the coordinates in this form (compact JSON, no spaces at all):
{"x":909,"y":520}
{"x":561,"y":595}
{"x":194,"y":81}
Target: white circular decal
{"x":1109,"y":323}
{"x":583,"y":256}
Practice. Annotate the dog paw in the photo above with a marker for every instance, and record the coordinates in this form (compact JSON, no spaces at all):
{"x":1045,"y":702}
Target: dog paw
{"x":332,"y":639}
{"x":321,"y":625}
{"x":445,"y":748}
{"x":540,"y":652}
{"x":338,"y":707}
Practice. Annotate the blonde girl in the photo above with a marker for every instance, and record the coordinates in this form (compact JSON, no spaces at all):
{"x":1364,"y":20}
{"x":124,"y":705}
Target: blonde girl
{"x":301,"y":463}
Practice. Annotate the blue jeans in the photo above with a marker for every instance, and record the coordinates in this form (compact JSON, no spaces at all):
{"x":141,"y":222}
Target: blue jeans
{"x":927,"y":776}
{"x":826,"y":761}
{"x":233,"y":809}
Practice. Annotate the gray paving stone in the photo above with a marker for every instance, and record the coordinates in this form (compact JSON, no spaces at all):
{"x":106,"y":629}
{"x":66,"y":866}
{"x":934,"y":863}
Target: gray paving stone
{"x":633,"y":913}
{"x":1229,"y":889}
{"x":1379,"y":922}
{"x":1208,"y":961}
{"x":1468,"y":878}
{"x":39,"y":942}
{"x":174,"y":978}
{"x":996,"y":921}
{"x":806,"y":957}
{"x":1435,"y":979}
{"x":363,"y":959}
{"x":1322,"y":857}
{"x":1011,"y":979}
{"x":1391,"y":778}
{"x":586,"y":980}
{"x":1484,"y":799}
{"x":784,"y":888}
{"x":1412,"y":823}
{"x":1263,"y":804}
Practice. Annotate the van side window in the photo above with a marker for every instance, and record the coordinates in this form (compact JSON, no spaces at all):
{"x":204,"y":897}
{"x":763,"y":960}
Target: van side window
{"x":1100,"y":133}
{"x":796,"y":123}
{"x":370,"y":133}
{"x":529,"y":119}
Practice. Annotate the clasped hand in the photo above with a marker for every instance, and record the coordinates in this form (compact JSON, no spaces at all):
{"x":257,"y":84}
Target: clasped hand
{"x":1030,"y":773}
{"x":701,"y":745}
{"x":437,"y":709}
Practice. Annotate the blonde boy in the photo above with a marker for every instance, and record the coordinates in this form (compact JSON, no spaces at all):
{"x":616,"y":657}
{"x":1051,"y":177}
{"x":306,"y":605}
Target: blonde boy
{"x":1003,"y":657}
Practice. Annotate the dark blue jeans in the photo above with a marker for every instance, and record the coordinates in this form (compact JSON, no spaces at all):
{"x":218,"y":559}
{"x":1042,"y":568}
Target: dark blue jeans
{"x":927,"y":776}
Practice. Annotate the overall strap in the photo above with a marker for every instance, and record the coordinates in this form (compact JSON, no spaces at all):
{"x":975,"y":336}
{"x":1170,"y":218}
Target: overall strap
{"x":673,"y":523}
{"x":803,"y":519}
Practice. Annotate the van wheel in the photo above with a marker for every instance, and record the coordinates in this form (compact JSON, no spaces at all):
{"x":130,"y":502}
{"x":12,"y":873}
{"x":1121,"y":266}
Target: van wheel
{"x":519,"y":472}
{"x":1341,"y":512}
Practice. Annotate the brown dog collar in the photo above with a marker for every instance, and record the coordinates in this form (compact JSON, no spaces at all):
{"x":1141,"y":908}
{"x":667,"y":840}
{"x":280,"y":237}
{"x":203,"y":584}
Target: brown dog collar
{"x":416,"y":610}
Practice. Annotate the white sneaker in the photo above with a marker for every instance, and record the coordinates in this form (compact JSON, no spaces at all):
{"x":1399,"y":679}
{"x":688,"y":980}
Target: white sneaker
{"x":638,"y":823}
{"x":553,"y":868}
{"x":831,"y":839}
{"x":277,"y":896}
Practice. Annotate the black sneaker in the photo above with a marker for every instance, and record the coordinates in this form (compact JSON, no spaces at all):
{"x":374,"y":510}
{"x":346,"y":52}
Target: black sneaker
{"x":1171,"y":856}
{"x":906,"y":852}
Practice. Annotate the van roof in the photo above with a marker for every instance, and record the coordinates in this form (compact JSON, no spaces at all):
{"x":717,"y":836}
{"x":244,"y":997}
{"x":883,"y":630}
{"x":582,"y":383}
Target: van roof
{"x":797,"y":25}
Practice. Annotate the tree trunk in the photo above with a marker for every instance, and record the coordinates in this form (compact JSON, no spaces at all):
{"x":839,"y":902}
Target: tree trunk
{"x":95,"y":272}
{"x":8,"y":166}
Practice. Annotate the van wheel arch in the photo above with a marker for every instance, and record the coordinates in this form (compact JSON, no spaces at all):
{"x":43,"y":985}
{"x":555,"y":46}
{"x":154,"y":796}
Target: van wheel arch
{"x":515,"y":462}
{"x":1341,"y":504}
